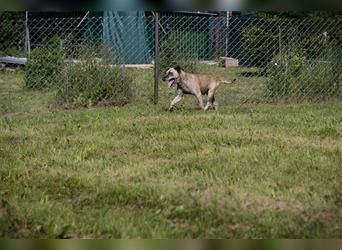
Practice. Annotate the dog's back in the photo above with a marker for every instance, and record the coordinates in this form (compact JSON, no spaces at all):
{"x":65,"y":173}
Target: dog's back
{"x":203,"y":81}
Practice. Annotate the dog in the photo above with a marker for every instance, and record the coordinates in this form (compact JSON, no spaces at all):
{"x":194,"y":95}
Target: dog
{"x":193,"y":84}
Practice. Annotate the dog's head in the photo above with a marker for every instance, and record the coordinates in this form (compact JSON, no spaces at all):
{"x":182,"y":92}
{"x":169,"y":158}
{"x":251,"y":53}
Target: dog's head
{"x":172,"y":75}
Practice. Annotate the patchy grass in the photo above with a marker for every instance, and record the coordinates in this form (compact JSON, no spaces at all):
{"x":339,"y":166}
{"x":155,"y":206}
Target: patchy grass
{"x":261,"y":171}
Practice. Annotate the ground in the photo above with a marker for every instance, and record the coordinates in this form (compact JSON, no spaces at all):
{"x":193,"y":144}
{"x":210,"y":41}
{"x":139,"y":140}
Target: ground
{"x":264,"y":171}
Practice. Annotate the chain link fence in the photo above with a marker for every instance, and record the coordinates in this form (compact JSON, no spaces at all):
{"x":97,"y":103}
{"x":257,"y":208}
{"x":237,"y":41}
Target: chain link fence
{"x":109,"y":59}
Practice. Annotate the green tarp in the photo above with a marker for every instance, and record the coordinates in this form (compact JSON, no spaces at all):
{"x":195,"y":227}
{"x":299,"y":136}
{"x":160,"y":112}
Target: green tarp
{"x":126,"y":34}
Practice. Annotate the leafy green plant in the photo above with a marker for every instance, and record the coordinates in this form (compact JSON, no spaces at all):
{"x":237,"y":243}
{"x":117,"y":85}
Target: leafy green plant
{"x":92,"y":82}
{"x":293,"y":75}
{"x":280,"y":70}
{"x":11,"y":30}
{"x":42,"y":69}
{"x":320,"y":79}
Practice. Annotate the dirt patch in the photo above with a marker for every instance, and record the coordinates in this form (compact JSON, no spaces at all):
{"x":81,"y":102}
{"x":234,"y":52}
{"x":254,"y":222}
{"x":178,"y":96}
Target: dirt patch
{"x":273,"y":204}
{"x":257,"y":203}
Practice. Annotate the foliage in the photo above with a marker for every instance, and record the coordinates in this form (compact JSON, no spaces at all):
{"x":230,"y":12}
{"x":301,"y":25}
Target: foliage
{"x":93,"y":82}
{"x":42,"y":69}
{"x":282,"y":68}
{"x":321,"y":78}
{"x":275,"y":32}
{"x":296,"y":14}
{"x":11,"y":29}
{"x":293,"y":75}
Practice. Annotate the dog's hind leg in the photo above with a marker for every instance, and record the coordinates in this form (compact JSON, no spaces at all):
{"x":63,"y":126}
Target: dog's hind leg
{"x":215,"y":103}
{"x":211,"y":99}
{"x":200,"y":101}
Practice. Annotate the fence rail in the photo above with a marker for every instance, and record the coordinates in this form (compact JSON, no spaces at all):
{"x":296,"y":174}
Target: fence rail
{"x":279,"y":59}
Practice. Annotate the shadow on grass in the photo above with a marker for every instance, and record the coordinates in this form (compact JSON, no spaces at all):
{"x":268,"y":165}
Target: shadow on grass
{"x":256,"y":73}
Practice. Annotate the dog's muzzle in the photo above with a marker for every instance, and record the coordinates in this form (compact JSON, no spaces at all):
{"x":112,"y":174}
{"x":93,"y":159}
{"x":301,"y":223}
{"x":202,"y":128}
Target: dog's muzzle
{"x":169,"y":80}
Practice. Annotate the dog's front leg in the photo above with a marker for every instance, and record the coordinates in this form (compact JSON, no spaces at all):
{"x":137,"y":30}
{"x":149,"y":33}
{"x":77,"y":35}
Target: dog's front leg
{"x":176,"y":100}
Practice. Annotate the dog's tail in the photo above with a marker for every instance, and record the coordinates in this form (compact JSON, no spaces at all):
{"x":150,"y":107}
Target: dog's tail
{"x":228,"y":82}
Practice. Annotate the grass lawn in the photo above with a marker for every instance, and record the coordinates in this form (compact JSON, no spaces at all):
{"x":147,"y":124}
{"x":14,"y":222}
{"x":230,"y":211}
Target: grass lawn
{"x":266,"y":171}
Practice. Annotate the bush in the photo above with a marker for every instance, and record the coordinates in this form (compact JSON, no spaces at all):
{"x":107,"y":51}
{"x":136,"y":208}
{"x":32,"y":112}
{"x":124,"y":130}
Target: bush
{"x":92,"y":83}
{"x":12,"y":25}
{"x":280,"y":71}
{"x":42,"y":68}
{"x":321,"y":79}
{"x":292,"y":75}
{"x":316,"y":80}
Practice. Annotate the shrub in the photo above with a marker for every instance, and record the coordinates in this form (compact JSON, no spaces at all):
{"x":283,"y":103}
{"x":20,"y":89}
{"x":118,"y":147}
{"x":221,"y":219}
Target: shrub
{"x":280,"y":71}
{"x":316,"y":80}
{"x":292,"y":75}
{"x":321,"y":79}
{"x":11,"y":31}
{"x":42,"y":68}
{"x":92,"y":83}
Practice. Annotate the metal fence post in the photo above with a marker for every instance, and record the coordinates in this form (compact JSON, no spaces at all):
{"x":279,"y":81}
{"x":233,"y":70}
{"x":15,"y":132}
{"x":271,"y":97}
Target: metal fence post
{"x":156,"y":57}
{"x":279,"y":39}
{"x":27,"y":35}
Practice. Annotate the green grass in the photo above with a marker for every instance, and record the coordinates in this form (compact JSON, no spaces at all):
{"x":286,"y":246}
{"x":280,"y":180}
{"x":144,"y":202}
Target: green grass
{"x":266,"y":171}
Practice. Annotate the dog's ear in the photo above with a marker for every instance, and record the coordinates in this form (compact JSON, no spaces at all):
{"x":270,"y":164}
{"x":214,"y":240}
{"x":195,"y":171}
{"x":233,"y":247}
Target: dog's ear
{"x":178,"y":68}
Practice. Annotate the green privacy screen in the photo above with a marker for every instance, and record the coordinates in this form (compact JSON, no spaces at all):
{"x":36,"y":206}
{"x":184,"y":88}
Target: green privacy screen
{"x":129,"y":34}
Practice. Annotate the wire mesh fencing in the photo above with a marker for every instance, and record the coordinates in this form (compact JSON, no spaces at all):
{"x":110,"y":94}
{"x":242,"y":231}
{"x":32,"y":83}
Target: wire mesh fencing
{"x":109,"y":59}
{"x":272,"y":59}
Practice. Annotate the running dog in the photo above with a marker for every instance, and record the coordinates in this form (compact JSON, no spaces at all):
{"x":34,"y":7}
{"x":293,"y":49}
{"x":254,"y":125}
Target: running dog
{"x":193,"y":84}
